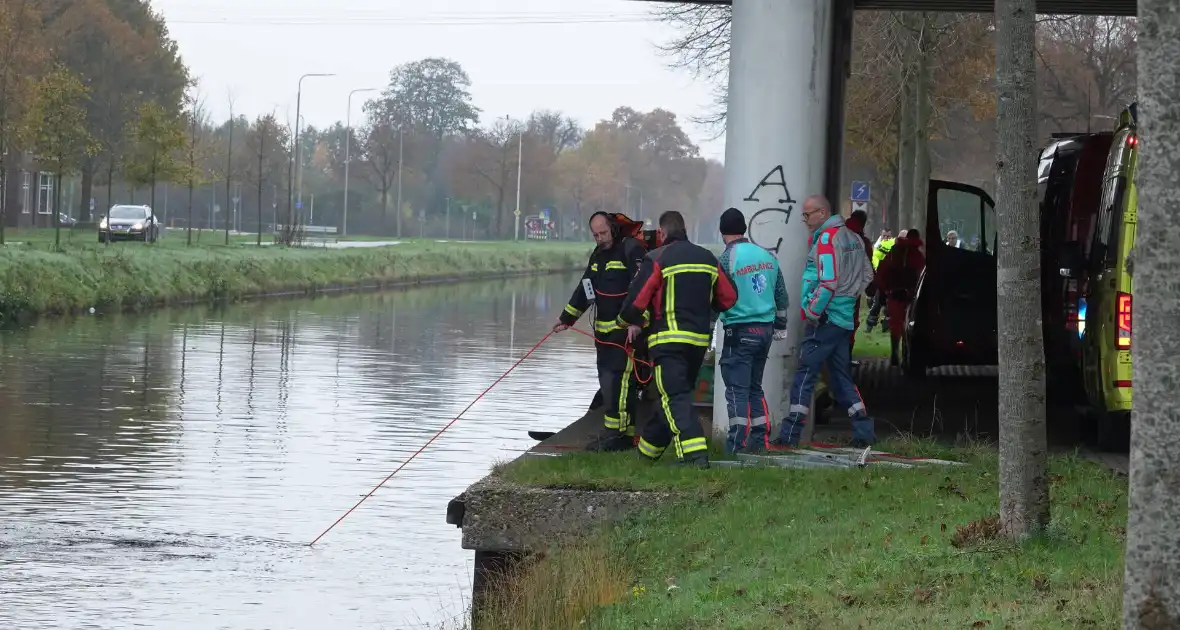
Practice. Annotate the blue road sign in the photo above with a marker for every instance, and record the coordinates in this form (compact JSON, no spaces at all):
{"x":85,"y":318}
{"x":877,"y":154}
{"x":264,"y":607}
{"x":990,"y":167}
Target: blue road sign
{"x":298,"y":205}
{"x":860,"y":191}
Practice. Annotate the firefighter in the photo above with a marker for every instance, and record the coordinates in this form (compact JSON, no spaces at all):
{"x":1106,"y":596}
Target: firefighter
{"x":683,"y":284}
{"x":609,"y":271}
{"x":897,"y":279}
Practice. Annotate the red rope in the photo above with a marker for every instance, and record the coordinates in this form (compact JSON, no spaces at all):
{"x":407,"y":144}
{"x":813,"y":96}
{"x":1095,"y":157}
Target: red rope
{"x":630,"y":355}
{"x":434,"y":437}
{"x":418,"y":452}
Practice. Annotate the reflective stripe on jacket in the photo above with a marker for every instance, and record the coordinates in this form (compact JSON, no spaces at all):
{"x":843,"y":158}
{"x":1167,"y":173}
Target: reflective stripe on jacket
{"x":683,"y":284}
{"x":610,"y":272}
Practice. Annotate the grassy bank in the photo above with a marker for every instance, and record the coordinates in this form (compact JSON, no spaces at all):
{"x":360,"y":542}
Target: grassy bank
{"x":780,"y":548}
{"x":34,"y":279}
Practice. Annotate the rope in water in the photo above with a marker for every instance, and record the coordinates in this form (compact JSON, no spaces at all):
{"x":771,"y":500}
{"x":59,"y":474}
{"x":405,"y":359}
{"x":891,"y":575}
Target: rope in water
{"x":418,"y":452}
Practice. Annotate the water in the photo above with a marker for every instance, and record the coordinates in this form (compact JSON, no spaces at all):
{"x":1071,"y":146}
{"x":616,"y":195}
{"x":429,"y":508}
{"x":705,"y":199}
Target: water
{"x":168,"y":470}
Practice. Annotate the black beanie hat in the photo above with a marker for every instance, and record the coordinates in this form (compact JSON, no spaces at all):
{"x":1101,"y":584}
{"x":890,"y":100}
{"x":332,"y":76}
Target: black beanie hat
{"x":733,"y":222}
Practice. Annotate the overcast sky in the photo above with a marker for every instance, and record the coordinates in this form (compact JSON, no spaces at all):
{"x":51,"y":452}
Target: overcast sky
{"x":582,"y":57}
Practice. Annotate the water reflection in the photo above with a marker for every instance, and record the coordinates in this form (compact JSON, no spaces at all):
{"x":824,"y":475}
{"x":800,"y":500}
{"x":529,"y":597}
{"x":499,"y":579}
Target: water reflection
{"x":169,"y":469}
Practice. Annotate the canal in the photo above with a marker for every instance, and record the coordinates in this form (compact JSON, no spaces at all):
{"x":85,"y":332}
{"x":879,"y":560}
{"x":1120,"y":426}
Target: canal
{"x":167,"y":470}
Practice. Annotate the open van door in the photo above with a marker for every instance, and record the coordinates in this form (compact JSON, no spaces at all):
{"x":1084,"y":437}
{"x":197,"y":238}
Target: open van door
{"x":952,"y":320}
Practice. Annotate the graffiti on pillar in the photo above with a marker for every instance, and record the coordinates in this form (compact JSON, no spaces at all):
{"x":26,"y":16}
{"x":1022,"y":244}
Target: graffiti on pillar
{"x":764,"y":226}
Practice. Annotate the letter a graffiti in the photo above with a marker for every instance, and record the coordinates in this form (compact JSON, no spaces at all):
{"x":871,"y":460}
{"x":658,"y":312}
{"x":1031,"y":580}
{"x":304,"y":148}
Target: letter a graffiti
{"x":768,"y":181}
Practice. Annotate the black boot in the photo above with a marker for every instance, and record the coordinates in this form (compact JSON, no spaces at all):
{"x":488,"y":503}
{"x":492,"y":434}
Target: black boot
{"x":893,"y":344}
{"x":611,"y":441}
{"x":699,"y":459}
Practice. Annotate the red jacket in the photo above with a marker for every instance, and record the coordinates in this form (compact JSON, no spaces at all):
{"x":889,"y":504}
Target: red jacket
{"x":859,"y":227}
{"x":902,"y":266}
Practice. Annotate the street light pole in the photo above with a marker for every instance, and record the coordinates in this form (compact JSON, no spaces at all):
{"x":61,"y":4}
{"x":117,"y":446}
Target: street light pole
{"x":347,"y":154}
{"x":399,"y":183}
{"x":295,"y":149}
{"x":519,"y":162}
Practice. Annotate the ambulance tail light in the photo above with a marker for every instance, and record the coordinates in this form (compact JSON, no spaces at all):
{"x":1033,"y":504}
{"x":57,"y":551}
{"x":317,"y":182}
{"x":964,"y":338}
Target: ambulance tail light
{"x":1123,"y":319}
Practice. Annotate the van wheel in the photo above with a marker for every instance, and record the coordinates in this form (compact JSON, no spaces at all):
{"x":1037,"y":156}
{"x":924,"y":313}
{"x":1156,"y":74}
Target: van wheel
{"x":913,"y":361}
{"x":1108,"y":431}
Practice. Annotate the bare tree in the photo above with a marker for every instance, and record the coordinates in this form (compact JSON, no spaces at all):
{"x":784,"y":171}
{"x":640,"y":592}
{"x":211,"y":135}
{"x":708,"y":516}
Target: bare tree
{"x":1086,"y":69}
{"x":380,"y":144}
{"x":701,"y":46}
{"x":198,"y":119}
{"x":1151,"y":597}
{"x":494,"y":160}
{"x":1024,"y":489}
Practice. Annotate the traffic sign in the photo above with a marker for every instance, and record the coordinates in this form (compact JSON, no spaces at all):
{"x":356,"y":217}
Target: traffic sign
{"x":516,"y":212}
{"x":862,"y":206}
{"x":860,"y":191}
{"x":298,"y":205}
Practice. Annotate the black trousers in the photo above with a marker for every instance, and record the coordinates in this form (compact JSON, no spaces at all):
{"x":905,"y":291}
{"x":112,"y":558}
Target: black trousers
{"x":677,"y":366}
{"x":616,"y":383}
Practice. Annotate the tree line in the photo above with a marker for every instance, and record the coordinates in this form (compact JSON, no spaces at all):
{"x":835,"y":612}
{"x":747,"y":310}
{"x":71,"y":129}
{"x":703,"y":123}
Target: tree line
{"x":111,"y":106}
{"x":79,"y":79}
{"x":921,"y":98}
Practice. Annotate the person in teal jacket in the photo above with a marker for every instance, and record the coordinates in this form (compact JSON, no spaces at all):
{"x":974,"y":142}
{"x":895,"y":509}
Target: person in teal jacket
{"x":758,"y":317}
{"x":837,"y":271}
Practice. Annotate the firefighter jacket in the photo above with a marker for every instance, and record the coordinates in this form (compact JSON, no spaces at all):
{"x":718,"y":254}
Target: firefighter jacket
{"x":683,"y":284}
{"x":610,"y":272}
{"x":836,"y":273}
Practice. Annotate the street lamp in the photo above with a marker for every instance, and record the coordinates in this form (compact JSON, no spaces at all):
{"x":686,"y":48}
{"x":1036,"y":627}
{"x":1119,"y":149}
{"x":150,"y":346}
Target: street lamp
{"x":295,"y":153}
{"x":519,"y":162}
{"x":347,"y":154}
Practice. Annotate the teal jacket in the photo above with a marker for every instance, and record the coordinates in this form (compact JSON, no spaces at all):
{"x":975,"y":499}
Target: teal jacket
{"x":761,"y":291}
{"x":837,"y":271}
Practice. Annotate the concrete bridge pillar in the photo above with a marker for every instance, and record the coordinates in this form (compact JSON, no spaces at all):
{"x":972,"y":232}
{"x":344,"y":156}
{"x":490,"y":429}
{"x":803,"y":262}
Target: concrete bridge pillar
{"x":782,"y":143}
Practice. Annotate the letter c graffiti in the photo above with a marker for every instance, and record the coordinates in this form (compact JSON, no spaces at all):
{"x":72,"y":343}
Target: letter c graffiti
{"x":761,"y":223}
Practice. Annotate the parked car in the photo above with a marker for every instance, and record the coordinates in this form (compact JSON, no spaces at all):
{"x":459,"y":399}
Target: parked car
{"x":66,"y":220}
{"x":129,"y":223}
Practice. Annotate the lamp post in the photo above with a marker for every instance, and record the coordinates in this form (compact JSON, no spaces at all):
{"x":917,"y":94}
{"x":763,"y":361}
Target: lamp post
{"x":519,"y":162}
{"x":347,"y":154}
{"x":295,"y":152}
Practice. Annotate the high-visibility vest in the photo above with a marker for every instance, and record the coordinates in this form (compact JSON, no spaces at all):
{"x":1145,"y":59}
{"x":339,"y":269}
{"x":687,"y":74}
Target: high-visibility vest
{"x":881,"y":251}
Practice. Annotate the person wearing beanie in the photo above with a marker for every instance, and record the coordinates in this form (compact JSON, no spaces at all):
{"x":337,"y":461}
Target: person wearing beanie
{"x":758,"y":318}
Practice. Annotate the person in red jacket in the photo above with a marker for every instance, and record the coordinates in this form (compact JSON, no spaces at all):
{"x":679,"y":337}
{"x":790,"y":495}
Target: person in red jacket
{"x":898,"y":277}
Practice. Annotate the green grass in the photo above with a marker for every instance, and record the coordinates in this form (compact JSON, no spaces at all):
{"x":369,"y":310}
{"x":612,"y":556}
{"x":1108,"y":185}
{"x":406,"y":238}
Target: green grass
{"x":871,"y":345}
{"x":876,"y":548}
{"x":35,"y":279}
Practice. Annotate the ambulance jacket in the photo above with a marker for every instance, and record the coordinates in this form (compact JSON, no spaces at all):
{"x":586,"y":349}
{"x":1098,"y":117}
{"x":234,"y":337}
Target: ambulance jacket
{"x":610,"y":272}
{"x":761,"y":291}
{"x":836,"y":273}
{"x":683,"y":284}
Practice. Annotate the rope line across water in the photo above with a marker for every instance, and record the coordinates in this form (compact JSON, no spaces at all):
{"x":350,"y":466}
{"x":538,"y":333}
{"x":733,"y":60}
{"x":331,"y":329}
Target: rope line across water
{"x":626,"y":348}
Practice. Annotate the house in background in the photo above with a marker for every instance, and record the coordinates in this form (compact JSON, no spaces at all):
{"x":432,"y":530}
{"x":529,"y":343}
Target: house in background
{"x":27,"y":193}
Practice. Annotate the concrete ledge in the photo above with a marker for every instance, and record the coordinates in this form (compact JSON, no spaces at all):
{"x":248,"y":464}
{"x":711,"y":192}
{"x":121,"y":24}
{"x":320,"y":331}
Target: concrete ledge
{"x":497,"y":515}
